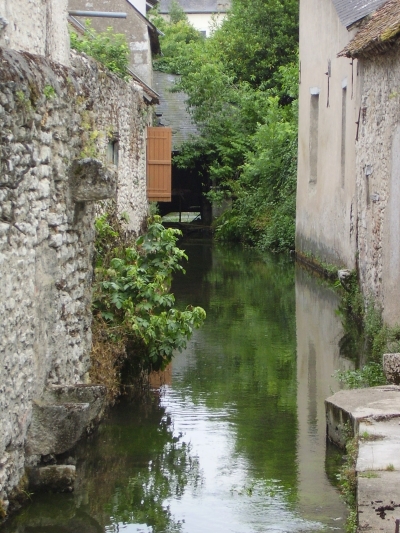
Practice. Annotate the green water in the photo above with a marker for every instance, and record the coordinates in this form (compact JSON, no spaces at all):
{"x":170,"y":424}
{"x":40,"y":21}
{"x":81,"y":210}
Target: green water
{"x":234,"y":442}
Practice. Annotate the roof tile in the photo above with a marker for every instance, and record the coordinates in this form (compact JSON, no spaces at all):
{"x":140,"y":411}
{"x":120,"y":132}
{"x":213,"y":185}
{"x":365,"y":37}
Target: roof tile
{"x":173,"y":109}
{"x":378,"y":33}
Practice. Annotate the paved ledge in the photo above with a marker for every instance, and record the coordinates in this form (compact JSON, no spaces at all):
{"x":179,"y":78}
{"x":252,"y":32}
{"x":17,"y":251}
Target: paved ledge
{"x":374,"y":415}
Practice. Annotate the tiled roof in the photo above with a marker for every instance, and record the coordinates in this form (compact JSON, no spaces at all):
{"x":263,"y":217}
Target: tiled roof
{"x":379,"y":33}
{"x":197,"y":6}
{"x":351,"y":11}
{"x":173,"y":109}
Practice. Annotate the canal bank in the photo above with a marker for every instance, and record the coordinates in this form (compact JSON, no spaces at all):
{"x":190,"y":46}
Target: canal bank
{"x":235,"y":439}
{"x":372,"y":416}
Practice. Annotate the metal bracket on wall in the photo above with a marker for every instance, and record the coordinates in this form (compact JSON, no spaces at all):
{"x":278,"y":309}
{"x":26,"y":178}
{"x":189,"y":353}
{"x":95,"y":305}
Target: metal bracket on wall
{"x":328,"y":73}
{"x":352,"y":77}
{"x":358,"y":123}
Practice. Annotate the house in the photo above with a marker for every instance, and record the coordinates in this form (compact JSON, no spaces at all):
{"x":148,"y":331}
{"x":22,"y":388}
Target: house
{"x":142,"y":36}
{"x":347,"y":209}
{"x":37,"y":27}
{"x":376,"y":47}
{"x":143,"y":39}
{"x":201,"y":13}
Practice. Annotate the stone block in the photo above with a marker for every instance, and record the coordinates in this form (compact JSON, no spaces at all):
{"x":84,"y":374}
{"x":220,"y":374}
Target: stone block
{"x":91,"y":180}
{"x":53,"y":478}
{"x":56,"y":428}
{"x":391,"y":367}
{"x":94,"y":395}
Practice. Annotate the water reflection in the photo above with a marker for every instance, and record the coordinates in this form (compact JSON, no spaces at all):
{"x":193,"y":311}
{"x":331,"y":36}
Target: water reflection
{"x":318,"y":331}
{"x":234,"y":441}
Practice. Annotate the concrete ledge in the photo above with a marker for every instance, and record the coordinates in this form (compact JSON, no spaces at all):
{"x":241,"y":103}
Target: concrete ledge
{"x":378,"y":500}
{"x":62,"y":415}
{"x":346,"y":408}
{"x":373,"y":415}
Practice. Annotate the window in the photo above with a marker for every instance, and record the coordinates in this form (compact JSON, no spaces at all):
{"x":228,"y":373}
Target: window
{"x":343,"y":141}
{"x":314,"y":118}
{"x":113,"y":151}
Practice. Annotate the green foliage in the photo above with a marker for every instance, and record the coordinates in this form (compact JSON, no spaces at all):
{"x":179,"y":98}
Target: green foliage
{"x":49,"y":92}
{"x":178,"y":41}
{"x":347,"y":478}
{"x":131,"y":291}
{"x":110,"y":48}
{"x":176,"y":13}
{"x":371,"y":375}
{"x":242,"y":93}
{"x":366,"y":337}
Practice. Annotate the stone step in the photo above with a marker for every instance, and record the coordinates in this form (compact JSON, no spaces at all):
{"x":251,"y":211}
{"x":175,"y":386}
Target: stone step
{"x":372,"y":414}
{"x":61,"y":416}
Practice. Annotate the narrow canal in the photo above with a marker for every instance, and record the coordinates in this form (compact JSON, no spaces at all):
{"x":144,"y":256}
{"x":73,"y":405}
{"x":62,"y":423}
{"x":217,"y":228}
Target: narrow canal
{"x":234,"y":440}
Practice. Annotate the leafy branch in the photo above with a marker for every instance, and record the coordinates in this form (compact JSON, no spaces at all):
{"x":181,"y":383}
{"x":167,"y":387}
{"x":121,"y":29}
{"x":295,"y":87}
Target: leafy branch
{"x":132,"y":291}
{"x":110,"y":48}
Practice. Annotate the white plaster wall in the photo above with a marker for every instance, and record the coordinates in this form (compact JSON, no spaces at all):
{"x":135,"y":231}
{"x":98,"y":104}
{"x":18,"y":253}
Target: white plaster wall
{"x":36,"y":26}
{"x":204,"y":21}
{"x":378,"y":183}
{"x":326,"y":210}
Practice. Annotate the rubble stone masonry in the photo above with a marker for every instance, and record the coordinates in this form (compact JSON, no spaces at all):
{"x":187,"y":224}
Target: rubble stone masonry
{"x":50,"y":117}
{"x":378,"y":182}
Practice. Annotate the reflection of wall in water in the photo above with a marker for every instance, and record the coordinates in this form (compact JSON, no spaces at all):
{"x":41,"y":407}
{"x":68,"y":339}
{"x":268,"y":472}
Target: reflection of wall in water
{"x":318,"y":333}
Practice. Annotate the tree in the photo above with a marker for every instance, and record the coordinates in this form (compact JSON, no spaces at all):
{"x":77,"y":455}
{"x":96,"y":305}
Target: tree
{"x":242,"y":93}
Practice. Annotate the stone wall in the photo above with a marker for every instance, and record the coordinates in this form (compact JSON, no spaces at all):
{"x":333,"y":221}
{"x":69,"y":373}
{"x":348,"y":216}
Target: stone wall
{"x":37,"y":26}
{"x":378,"y":182}
{"x":54,"y":122}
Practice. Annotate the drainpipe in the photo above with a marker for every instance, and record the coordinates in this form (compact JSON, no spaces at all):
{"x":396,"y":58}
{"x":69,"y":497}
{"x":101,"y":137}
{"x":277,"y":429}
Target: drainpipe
{"x":103,"y":14}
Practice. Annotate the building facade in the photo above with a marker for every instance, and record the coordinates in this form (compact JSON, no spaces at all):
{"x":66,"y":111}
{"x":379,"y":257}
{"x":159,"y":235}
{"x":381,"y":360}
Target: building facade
{"x":347,"y":206}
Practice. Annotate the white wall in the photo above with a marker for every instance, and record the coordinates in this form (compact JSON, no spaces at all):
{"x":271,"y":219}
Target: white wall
{"x":326,"y":203}
{"x":36,"y":26}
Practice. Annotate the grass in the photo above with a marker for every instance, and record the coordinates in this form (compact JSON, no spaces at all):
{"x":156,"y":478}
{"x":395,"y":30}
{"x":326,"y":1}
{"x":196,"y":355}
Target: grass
{"x":368,"y":475}
{"x":367,"y":436}
{"x":347,"y":478}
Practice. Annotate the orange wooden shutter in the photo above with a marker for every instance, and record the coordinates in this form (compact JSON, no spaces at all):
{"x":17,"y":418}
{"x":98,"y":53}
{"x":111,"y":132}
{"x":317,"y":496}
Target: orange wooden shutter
{"x":159,"y":146}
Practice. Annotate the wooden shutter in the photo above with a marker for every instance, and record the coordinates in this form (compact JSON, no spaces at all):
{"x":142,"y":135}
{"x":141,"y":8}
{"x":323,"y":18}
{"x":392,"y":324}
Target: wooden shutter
{"x":159,"y":146}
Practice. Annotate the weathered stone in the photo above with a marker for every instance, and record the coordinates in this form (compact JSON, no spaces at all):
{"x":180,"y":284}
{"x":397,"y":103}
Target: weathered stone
{"x":373,"y":416}
{"x":94,"y":395}
{"x":391,"y":367}
{"x":56,"y":428}
{"x":53,"y":478}
{"x":90,"y":180}
{"x":378,"y":501}
{"x":46,"y":240}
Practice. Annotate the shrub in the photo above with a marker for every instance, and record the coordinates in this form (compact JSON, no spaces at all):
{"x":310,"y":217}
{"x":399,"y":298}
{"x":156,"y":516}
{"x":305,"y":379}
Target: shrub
{"x":110,"y":48}
{"x":133,"y":306}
